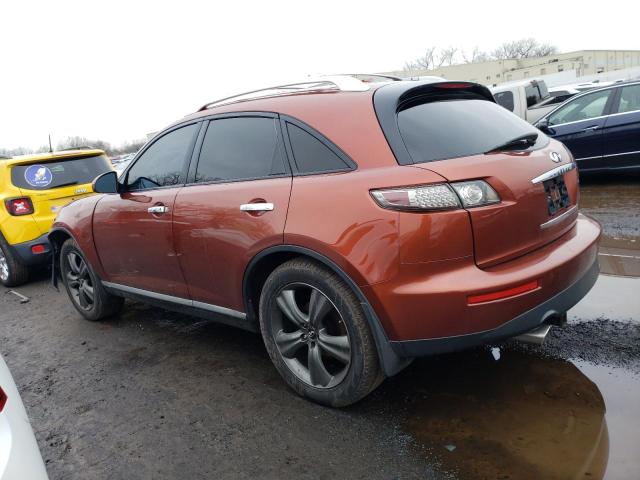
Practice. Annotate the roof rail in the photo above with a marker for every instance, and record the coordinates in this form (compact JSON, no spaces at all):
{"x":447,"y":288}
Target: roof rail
{"x":346,"y":83}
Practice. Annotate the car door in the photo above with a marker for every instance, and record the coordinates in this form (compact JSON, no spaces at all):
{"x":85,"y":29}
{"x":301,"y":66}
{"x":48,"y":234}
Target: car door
{"x":235,"y":206}
{"x":622,"y":131}
{"x":133,"y":230}
{"x":578,"y":124}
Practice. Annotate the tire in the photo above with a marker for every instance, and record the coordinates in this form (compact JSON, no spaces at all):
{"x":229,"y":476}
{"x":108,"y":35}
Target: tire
{"x":12,"y":272}
{"x":324,"y":348}
{"x":85,"y":290}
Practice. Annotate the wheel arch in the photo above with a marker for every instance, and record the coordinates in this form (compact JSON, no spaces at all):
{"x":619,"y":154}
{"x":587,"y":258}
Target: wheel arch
{"x":57,"y":236}
{"x":264,"y":262}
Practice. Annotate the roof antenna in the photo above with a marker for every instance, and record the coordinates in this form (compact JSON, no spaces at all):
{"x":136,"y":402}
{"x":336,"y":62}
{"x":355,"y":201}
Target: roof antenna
{"x":50,"y":147}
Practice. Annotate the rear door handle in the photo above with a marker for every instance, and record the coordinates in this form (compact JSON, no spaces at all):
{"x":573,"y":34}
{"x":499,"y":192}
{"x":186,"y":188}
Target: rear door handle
{"x":256,"y":207}
{"x":158,"y":209}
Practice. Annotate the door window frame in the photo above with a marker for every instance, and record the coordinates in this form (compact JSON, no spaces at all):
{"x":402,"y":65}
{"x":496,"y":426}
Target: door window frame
{"x":291,"y":169}
{"x":615,"y":110}
{"x":197,"y":151}
{"x":124,"y":177}
{"x":607,"y":111}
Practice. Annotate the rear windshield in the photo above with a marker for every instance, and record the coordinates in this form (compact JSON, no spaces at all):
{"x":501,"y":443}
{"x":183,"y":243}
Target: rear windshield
{"x":458,"y":128}
{"x":60,"y":173}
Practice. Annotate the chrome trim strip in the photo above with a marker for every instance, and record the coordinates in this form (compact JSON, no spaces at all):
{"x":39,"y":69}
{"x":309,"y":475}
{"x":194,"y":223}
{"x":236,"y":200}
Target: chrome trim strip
{"x":178,"y":300}
{"x":559,"y":218}
{"x":555,"y":172}
{"x":620,"y":154}
{"x":217,"y":309}
{"x":610,"y":155}
{"x":588,"y":119}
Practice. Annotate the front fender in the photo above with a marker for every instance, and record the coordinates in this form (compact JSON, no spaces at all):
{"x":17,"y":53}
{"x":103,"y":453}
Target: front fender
{"x":75,"y":220}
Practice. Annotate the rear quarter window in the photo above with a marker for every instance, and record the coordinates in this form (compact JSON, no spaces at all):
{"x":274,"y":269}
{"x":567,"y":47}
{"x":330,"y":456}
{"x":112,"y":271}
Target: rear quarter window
{"x":59,"y":173}
{"x":456,"y":128}
{"x":311,"y":155}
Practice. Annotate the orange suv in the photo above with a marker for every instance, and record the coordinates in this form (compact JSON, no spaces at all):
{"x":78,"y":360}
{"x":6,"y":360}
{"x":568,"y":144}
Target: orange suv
{"x":355,"y":225}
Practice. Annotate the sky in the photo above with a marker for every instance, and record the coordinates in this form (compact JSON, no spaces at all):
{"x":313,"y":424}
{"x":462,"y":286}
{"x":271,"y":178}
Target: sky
{"x":118,"y":70}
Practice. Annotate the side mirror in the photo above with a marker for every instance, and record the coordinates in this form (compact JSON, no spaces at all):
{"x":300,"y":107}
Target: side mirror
{"x":543,"y":124}
{"x":106,"y":183}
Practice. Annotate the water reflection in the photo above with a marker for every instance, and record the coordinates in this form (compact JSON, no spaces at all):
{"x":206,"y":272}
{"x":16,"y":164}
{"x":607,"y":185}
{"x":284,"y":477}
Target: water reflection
{"x":615,"y":202}
{"x":521,"y":417}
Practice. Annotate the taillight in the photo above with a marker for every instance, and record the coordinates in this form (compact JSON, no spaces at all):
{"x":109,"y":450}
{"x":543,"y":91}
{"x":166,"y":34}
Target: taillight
{"x":443,"y":196}
{"x":19,"y":206}
{"x":3,"y":399}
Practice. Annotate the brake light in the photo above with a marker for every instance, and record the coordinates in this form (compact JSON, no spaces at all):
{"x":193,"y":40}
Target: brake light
{"x":3,"y":399}
{"x":19,"y":206}
{"x":442,"y":196}
{"x":454,"y":85}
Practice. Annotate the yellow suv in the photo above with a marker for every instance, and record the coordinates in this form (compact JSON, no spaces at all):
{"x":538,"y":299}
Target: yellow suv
{"x":32,"y":189}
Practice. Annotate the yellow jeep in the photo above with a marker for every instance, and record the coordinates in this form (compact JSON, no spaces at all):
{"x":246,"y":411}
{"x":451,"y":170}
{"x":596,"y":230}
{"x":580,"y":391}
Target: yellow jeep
{"x":32,"y":189}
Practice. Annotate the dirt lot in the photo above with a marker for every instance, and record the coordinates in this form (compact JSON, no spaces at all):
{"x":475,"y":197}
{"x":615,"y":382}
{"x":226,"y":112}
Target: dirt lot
{"x":153,"y":394}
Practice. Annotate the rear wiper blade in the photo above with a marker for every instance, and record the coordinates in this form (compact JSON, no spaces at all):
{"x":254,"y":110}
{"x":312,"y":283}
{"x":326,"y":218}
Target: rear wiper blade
{"x":519,"y":143}
{"x":68,"y":184}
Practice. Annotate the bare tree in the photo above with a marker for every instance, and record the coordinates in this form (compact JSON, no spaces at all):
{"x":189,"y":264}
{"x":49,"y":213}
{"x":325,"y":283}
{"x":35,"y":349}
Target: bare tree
{"x":425,"y":62}
{"x":447,"y":55}
{"x":545,"y":49}
{"x":523,"y":48}
{"x":475,"y":56}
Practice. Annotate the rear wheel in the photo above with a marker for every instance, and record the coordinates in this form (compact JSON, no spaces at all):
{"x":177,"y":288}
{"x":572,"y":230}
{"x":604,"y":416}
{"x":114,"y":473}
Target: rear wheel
{"x":12,"y":272}
{"x":316,"y":334}
{"x":84,"y":288}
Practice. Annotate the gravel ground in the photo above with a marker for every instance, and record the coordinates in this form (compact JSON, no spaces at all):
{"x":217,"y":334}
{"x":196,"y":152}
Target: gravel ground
{"x":154,"y":394}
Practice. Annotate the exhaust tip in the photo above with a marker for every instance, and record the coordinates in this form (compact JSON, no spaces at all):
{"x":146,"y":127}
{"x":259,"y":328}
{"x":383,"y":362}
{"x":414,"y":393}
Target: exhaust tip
{"x":534,"y":337}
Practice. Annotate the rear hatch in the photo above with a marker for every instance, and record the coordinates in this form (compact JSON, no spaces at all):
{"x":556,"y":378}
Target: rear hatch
{"x":53,"y":183}
{"x":458,"y":132}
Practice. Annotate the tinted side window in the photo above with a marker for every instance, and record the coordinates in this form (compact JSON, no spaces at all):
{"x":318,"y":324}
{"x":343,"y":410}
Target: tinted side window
{"x":629,"y":99}
{"x":505,"y":99}
{"x":162,"y":164}
{"x":582,"y":108}
{"x":240,"y":148}
{"x":533,"y":95}
{"x":310,"y":154}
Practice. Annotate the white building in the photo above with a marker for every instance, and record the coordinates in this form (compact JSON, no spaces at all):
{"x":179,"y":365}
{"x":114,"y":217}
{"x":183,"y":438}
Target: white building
{"x":581,"y":63}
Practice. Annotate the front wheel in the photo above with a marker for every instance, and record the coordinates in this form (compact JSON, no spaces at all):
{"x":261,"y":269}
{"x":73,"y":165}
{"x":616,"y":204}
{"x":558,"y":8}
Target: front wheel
{"x":316,"y":334}
{"x":83,"y":286}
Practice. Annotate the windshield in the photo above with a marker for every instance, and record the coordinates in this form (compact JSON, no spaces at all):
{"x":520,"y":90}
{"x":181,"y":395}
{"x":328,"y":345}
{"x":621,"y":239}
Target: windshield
{"x":59,"y":173}
{"x":458,"y":128}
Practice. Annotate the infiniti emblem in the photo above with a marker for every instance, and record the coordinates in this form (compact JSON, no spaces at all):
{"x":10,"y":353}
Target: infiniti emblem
{"x":555,"y":157}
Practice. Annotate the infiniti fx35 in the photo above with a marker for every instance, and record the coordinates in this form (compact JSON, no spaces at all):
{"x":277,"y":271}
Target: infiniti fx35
{"x":354,"y":225}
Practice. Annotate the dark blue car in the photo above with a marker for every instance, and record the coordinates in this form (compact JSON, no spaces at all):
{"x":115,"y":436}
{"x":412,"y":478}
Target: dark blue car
{"x":601,"y":128}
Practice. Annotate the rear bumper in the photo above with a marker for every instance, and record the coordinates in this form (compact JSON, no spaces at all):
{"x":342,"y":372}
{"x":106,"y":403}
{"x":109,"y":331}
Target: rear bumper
{"x":430,"y":301}
{"x":26,"y":256}
{"x":525,"y":322}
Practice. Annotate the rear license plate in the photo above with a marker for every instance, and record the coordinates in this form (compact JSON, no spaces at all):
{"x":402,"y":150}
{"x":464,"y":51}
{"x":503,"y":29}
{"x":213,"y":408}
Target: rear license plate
{"x":557,"y":195}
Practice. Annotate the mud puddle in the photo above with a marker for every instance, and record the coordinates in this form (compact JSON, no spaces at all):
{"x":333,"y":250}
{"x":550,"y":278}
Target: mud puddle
{"x":524,"y":416}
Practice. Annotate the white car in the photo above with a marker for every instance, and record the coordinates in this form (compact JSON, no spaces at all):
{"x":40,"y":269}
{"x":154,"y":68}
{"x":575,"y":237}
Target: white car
{"x":20,"y":457}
